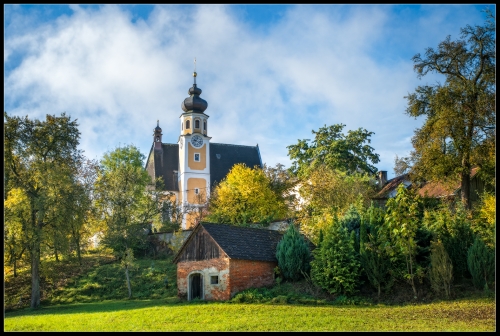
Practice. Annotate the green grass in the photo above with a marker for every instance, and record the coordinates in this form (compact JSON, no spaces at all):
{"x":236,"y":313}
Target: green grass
{"x":161,"y":315}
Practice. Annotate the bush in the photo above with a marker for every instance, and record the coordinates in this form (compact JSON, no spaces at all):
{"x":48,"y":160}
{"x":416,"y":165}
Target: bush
{"x":481,"y":262}
{"x":293,"y":254}
{"x":441,"y":271}
{"x":336,"y":265}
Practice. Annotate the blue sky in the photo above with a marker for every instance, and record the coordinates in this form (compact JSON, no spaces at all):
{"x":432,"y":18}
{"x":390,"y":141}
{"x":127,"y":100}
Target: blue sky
{"x":270,"y":73}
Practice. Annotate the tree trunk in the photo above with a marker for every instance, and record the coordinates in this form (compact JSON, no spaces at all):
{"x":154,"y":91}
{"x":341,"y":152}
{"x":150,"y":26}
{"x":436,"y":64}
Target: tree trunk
{"x":128,"y":282}
{"x":465,"y":186}
{"x":35,"y":271}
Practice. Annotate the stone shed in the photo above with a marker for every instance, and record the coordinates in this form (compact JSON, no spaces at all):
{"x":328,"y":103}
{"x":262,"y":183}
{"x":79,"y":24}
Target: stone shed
{"x":217,"y":261}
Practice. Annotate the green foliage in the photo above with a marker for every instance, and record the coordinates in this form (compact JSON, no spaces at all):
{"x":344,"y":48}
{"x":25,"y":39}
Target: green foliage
{"x":441,"y":270}
{"x":458,"y":131}
{"x":402,"y":220}
{"x":245,"y":196}
{"x":374,"y":260}
{"x":41,"y":158}
{"x":336,"y":265}
{"x":327,"y":193}
{"x":453,"y":228}
{"x":293,"y":254}
{"x":481,"y":262}
{"x":484,"y":223}
{"x":126,"y":204}
{"x":348,"y":153}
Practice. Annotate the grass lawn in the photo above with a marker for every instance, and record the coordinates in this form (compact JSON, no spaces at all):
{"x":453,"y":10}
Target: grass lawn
{"x":162,"y":315}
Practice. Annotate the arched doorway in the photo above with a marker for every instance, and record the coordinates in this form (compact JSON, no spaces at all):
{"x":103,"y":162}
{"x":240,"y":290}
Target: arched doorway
{"x":195,"y":286}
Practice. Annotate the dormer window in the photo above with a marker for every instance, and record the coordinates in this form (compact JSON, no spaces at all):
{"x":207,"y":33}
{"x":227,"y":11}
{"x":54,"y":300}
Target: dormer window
{"x":196,"y":124}
{"x":187,"y":124}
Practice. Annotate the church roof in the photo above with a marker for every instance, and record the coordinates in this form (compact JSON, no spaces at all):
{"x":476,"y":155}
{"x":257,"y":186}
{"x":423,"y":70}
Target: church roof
{"x":223,"y":157}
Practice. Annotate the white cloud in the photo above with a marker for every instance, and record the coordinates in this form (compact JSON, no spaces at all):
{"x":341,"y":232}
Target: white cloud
{"x":316,"y":66}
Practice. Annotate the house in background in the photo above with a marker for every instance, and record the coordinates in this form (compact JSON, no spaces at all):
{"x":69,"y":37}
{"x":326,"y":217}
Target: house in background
{"x":431,"y":189}
{"x":217,"y":261}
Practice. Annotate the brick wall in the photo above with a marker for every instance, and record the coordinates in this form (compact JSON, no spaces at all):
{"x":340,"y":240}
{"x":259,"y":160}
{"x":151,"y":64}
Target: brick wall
{"x":248,"y":273}
{"x":234,"y":276}
{"x":207,"y":268}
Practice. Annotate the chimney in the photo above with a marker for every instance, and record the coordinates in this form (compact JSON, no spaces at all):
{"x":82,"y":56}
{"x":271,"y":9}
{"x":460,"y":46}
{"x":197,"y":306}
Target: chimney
{"x":382,"y":178}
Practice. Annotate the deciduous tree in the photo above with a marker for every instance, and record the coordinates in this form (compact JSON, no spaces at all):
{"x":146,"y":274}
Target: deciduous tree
{"x":460,"y":115}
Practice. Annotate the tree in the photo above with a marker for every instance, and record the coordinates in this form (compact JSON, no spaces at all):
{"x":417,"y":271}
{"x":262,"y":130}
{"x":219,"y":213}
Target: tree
{"x":244,"y":197}
{"x":459,"y":129}
{"x":335,"y":265}
{"x":126,"y":204}
{"x":282,"y":183}
{"x":481,"y":262}
{"x":35,"y":153}
{"x":372,"y":252}
{"x":402,"y":220}
{"x":347,"y":153}
{"x":441,"y":271}
{"x":327,"y":193}
{"x":293,"y":254}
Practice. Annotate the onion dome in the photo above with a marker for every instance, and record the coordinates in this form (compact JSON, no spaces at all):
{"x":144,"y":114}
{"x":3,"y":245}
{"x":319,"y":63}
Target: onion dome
{"x":194,"y":103}
{"x":157,"y":128}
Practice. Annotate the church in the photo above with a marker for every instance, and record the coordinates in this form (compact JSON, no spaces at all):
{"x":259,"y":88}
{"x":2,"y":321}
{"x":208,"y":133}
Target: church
{"x":191,"y":167}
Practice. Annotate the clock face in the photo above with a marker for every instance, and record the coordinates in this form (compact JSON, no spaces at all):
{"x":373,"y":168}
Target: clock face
{"x":197,"y":141}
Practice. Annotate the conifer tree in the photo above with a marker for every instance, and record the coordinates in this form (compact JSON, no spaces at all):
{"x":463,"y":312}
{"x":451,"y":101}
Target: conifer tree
{"x":293,"y":254}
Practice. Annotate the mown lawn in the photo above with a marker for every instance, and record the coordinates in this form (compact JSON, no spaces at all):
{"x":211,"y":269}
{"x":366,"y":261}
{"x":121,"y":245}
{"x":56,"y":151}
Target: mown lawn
{"x":175,"y":315}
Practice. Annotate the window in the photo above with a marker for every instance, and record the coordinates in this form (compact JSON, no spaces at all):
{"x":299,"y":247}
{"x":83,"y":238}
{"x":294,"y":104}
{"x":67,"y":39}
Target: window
{"x":187,"y":124}
{"x":157,"y":139}
{"x":214,"y":279}
{"x":204,"y":125}
{"x":197,"y":157}
{"x":196,"y":124}
{"x":196,"y":191}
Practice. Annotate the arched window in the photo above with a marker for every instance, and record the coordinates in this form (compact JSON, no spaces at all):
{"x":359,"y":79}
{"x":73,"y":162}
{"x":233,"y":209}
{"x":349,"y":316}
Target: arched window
{"x":204,"y":125}
{"x":196,"y":124}
{"x":187,"y":124}
{"x":157,"y":139}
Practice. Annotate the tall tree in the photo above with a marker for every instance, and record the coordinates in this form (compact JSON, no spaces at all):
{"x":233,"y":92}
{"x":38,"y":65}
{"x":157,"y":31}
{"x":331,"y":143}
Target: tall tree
{"x":245,"y":196}
{"x":126,"y":204}
{"x":348,"y":153}
{"x":34,"y":152}
{"x":459,"y":129}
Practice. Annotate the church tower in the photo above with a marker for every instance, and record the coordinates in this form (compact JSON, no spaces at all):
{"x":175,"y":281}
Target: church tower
{"x":194,"y":156}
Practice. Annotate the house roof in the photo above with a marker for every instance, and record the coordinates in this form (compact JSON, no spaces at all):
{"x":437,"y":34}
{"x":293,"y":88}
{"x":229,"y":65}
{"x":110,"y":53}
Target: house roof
{"x":391,"y":185}
{"x":222,"y":158}
{"x":240,"y":242}
{"x":440,"y":189}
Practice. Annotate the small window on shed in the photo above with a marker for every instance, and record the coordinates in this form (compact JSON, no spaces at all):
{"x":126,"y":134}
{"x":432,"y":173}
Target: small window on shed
{"x":214,"y":280}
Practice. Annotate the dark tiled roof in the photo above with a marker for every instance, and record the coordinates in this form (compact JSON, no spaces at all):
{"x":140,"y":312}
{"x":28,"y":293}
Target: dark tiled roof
{"x":165,"y":163}
{"x":391,"y":185}
{"x":245,"y":243}
{"x":224,"y":156}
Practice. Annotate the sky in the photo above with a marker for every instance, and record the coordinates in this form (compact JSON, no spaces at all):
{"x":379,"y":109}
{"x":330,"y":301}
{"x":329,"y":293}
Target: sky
{"x":271,"y":74}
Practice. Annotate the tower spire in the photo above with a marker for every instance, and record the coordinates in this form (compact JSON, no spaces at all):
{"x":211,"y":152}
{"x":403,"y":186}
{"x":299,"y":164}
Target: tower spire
{"x":194,"y":73}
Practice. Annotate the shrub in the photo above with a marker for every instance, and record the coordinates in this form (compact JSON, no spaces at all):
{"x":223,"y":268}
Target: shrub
{"x":481,"y":262}
{"x":293,"y":254}
{"x":441,"y":271}
{"x":336,"y":265}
